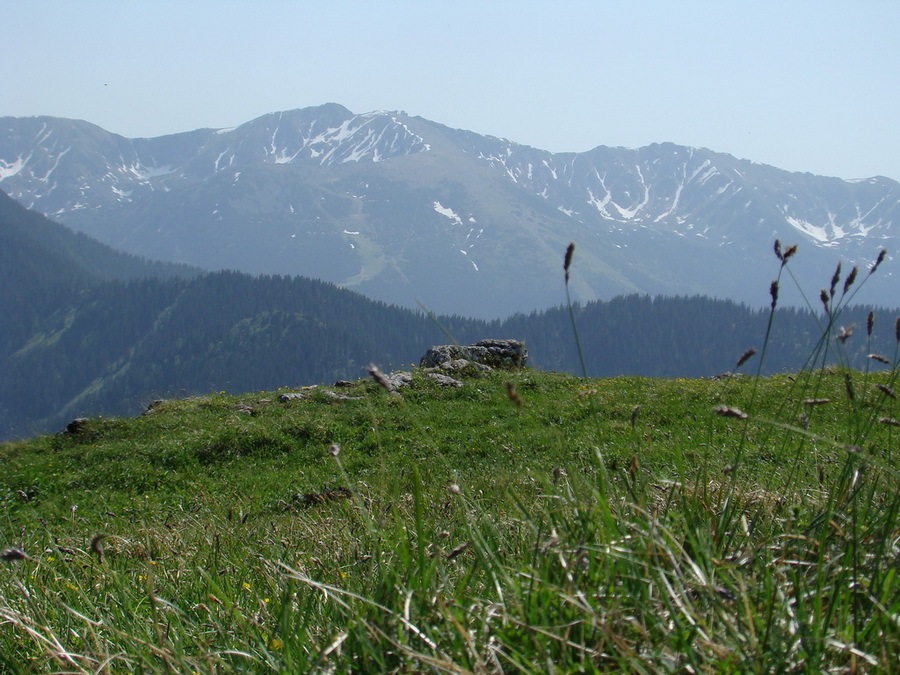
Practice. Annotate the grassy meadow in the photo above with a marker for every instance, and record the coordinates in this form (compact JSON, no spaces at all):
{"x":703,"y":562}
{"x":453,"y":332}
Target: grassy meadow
{"x":524,"y":522}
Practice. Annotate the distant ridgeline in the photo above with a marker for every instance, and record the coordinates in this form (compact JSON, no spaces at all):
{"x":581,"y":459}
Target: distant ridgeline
{"x":87,"y":331}
{"x":399,"y":207}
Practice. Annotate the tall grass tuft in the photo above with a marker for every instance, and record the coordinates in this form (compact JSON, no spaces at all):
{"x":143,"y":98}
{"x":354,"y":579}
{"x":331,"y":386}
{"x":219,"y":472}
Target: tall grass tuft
{"x":567,"y":263}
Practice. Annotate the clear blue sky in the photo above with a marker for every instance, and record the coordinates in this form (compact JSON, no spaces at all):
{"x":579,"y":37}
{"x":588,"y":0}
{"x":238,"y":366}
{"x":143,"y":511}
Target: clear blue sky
{"x":803,"y":85}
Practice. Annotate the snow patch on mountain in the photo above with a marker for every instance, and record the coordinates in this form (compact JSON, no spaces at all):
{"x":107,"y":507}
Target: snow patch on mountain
{"x":10,"y":169}
{"x":146,"y":173}
{"x":448,"y":213}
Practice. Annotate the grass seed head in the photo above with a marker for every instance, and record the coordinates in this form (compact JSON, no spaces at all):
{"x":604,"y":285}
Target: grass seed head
{"x":513,"y":394}
{"x":848,"y":385}
{"x":886,"y":390}
{"x":815,"y":401}
{"x":880,"y":359}
{"x":97,"y":545}
{"x":890,"y":421}
{"x":850,"y":279}
{"x":12,"y":554}
{"x":568,"y":261}
{"x":835,"y":278}
{"x":823,"y":296}
{"x":870,"y":323}
{"x":773,"y":291}
{"x":746,"y":356}
{"x":789,"y":251}
{"x":897,"y":329}
{"x":778,"y":253}
{"x":880,"y":259}
{"x":728,"y":411}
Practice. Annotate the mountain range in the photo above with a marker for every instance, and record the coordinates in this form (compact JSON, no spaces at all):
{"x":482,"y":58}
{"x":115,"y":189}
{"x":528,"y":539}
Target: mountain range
{"x":406,"y":210}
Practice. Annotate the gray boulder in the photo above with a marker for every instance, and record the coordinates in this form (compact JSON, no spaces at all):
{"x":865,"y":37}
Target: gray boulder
{"x":493,"y":353}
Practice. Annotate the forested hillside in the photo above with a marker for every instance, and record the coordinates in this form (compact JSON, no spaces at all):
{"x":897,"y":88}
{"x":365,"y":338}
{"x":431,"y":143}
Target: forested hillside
{"x":87,"y":331}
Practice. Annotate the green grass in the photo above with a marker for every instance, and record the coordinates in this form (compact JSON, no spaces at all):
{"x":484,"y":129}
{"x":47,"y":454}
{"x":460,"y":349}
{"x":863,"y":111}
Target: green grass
{"x":577,"y":532}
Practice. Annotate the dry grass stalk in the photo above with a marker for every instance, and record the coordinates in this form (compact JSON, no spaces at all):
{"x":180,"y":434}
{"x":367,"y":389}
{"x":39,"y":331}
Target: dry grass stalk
{"x":845,"y":333}
{"x":458,"y":550}
{"x":379,"y":377}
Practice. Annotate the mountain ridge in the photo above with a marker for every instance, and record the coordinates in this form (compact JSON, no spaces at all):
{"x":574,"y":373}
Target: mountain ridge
{"x":404,"y":209}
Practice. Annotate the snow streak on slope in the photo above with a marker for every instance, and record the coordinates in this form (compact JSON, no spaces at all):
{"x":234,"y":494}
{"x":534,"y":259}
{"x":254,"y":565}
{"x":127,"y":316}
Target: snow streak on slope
{"x":374,"y":137}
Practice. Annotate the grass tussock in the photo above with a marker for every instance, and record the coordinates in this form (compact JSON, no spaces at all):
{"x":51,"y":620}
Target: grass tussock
{"x":525,"y":522}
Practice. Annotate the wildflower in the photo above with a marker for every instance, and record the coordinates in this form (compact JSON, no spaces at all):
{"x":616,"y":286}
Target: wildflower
{"x":246,"y":586}
{"x":335,"y":449}
{"x":275,"y":644}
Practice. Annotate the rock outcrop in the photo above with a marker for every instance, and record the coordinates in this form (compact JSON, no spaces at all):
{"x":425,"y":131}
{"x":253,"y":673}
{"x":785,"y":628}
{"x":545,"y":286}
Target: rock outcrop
{"x":491,"y":353}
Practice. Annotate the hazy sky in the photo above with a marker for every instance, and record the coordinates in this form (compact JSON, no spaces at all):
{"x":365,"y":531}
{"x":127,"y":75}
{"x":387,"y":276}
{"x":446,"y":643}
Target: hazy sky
{"x":803,"y":85}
